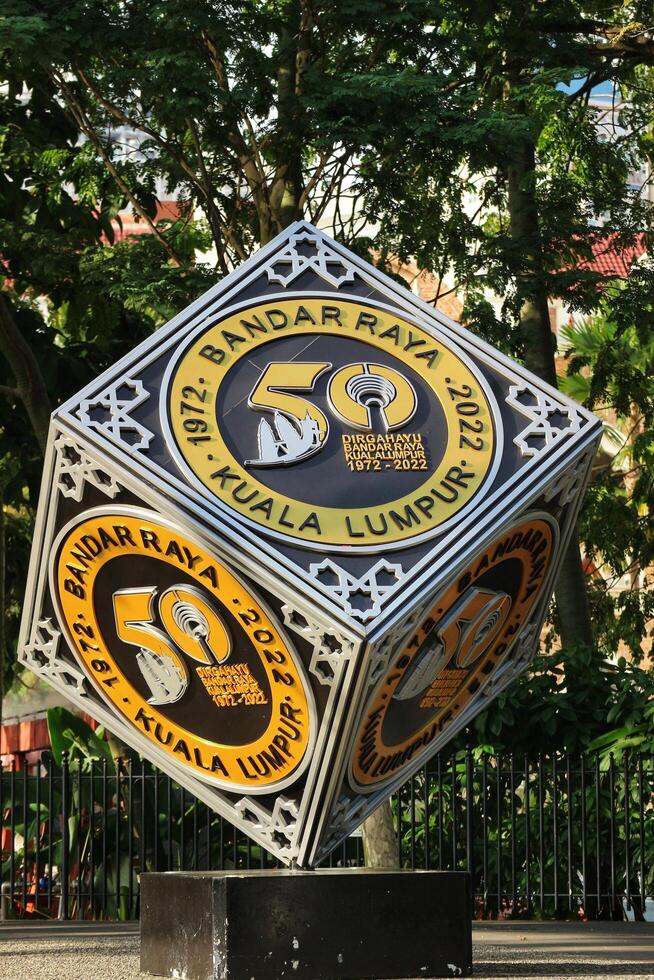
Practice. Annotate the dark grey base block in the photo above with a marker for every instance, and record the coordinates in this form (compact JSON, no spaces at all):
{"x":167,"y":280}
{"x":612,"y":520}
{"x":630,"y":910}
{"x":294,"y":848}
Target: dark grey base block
{"x":306,"y":925}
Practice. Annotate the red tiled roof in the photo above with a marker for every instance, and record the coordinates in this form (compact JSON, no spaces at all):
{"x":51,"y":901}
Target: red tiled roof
{"x":428,"y":287}
{"x":133,"y":225}
{"x":611,"y":259}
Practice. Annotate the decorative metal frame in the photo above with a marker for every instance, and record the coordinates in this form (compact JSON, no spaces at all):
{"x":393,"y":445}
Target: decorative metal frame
{"x":295,"y":262}
{"x":99,"y":444}
{"x":367,"y":586}
{"x":539,"y":408}
{"x":75,"y":468}
{"x":117,"y":409}
{"x":40,"y":655}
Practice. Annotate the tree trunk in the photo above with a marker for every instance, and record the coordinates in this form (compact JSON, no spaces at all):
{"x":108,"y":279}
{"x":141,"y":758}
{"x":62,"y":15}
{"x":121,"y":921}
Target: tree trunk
{"x":572,"y":606}
{"x":294,"y":55}
{"x":30,"y":385}
{"x":379,"y":839}
{"x":540,"y":348}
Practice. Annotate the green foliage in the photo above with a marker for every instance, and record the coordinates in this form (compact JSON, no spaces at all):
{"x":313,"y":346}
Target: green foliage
{"x":569,"y":707}
{"x":18,"y":536}
{"x":459,"y":102}
{"x":540,"y":824}
{"x":611,"y":368}
{"x":71,"y":734}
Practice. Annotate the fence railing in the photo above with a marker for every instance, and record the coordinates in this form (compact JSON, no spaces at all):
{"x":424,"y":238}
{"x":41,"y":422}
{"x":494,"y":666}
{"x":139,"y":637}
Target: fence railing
{"x":557,"y":836}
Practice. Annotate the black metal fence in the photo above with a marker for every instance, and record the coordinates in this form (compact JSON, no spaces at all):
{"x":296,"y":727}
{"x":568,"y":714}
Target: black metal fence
{"x":562,"y":836}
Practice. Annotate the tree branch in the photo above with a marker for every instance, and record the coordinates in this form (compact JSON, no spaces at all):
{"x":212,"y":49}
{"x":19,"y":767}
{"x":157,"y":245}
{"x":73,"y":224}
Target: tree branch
{"x":315,"y":177}
{"x":596,"y":78}
{"x":207,"y":192}
{"x":126,"y":119}
{"x":87,"y":128}
{"x":248,"y":157}
{"x":641,"y":50}
{"x":203,"y":186}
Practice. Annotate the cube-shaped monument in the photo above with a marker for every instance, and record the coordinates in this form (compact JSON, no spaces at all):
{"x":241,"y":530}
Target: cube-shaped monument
{"x":298,"y":538}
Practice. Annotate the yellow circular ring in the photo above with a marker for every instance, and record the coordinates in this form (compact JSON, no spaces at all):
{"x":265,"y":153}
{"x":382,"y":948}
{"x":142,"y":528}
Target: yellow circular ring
{"x":373,"y":762}
{"x":74,"y":580}
{"x":445,"y":373}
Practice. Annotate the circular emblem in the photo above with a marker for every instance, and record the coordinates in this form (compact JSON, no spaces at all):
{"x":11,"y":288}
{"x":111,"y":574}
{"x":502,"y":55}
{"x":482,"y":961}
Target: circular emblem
{"x":331,"y":422}
{"x":181,"y":649}
{"x":454,"y":652}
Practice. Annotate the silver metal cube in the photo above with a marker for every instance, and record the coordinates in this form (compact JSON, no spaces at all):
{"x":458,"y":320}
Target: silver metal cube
{"x":289,"y":546}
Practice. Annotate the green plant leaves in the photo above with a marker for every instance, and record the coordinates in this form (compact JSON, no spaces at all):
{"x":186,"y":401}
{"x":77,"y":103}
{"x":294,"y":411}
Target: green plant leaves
{"x":71,"y":734}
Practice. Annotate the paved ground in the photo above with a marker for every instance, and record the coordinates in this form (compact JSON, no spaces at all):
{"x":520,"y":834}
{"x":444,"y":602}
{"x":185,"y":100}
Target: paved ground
{"x":519,"y":950}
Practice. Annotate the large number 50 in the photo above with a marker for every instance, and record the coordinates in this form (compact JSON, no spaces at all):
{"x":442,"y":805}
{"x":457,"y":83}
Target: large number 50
{"x":362,"y":395}
{"x":464,"y":635}
{"x":190,"y":626}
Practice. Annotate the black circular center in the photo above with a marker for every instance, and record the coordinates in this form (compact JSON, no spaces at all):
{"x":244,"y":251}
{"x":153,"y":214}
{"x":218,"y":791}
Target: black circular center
{"x":324,"y":479}
{"x":404,"y":716}
{"x":196,"y":710}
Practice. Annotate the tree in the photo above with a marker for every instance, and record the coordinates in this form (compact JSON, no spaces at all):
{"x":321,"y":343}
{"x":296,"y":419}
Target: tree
{"x":611,"y":364}
{"x":497,"y":171}
{"x":214,"y":95}
{"x":69,"y":306}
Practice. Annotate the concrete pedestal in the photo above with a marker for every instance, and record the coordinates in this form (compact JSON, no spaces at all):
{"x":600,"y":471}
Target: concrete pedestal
{"x":335,"y":924}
